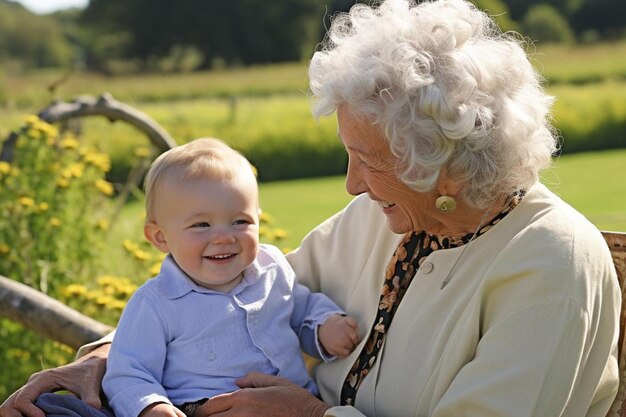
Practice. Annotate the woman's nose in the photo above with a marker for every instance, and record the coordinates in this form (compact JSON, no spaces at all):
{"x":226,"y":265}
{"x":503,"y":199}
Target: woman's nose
{"x":354,"y":179}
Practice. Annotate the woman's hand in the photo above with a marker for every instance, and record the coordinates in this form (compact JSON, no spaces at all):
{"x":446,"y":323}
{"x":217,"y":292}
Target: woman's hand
{"x":264,"y":395}
{"x":82,"y":377}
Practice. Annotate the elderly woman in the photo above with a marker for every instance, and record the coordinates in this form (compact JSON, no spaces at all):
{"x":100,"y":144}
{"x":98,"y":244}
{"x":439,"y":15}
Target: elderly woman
{"x":478,"y":291}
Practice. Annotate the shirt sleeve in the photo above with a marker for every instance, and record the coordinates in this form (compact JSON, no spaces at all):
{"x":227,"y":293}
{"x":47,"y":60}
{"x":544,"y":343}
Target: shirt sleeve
{"x":136,"y":360}
{"x":310,"y":309}
{"x":343,"y":411}
{"x":90,"y":347}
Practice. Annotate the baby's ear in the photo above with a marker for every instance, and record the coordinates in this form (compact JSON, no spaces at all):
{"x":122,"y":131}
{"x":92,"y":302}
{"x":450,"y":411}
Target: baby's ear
{"x":155,"y":235}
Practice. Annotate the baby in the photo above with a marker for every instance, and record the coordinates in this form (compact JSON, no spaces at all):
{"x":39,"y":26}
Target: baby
{"x":223,"y":304}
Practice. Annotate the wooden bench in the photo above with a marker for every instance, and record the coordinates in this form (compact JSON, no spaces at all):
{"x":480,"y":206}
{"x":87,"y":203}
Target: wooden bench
{"x":617,"y":245}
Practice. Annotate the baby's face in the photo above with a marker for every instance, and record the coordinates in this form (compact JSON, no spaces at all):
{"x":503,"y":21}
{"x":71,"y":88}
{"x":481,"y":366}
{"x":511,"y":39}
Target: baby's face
{"x":210,"y":227}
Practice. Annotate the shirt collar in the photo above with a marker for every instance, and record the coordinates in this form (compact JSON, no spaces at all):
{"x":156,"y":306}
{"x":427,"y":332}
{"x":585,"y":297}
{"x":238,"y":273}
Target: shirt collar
{"x":173,"y":282}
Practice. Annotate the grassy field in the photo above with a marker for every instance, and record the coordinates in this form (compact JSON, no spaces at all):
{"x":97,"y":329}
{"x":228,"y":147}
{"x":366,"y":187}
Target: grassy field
{"x":559,"y":64}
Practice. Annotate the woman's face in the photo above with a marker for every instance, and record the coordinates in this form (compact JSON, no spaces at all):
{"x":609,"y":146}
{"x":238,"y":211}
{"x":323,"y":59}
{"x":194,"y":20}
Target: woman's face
{"x":371,"y":170}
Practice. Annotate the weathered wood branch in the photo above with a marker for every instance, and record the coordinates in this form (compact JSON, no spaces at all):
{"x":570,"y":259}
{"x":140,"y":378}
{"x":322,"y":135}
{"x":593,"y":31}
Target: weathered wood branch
{"x":106,"y":106}
{"x":47,"y":316}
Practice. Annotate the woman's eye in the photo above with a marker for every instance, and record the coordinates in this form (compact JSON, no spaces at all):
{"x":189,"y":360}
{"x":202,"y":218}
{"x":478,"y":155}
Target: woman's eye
{"x":364,"y":163}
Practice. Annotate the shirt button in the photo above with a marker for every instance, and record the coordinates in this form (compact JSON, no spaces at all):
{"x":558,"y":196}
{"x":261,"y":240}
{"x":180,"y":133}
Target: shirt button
{"x":427,"y":267}
{"x":211,"y":356}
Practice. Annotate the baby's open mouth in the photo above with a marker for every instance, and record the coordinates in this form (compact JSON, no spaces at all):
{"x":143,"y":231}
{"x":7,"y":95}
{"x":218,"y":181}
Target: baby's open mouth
{"x":220,"y":257}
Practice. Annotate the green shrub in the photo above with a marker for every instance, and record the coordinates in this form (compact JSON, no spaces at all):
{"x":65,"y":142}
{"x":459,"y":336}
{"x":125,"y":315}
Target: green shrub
{"x":544,"y":23}
{"x":53,"y":218}
{"x":591,"y":117}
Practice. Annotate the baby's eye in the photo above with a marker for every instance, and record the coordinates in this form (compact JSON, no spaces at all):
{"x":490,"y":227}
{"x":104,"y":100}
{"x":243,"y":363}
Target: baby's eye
{"x":240,"y":221}
{"x":201,"y":224}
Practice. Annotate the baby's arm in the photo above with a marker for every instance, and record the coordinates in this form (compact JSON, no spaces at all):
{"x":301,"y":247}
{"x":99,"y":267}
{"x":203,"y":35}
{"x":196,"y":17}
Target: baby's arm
{"x":132,"y":381}
{"x":338,"y":335}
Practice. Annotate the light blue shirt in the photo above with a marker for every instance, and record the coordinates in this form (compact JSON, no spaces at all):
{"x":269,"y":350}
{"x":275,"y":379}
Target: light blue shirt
{"x":178,"y":342}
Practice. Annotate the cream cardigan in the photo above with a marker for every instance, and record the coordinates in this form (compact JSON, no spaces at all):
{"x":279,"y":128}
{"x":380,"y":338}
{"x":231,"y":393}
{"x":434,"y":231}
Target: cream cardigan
{"x":527,"y":325}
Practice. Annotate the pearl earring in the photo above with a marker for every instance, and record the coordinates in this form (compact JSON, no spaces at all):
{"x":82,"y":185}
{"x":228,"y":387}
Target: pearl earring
{"x":445,"y":203}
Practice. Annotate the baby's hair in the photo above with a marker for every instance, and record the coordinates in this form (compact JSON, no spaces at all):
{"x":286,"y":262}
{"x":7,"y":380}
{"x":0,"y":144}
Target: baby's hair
{"x":204,"y":158}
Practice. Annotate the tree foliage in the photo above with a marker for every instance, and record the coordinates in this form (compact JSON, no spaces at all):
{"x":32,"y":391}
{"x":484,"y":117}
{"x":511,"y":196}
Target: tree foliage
{"x":31,"y":40}
{"x":545,"y":23}
{"x":110,"y":35}
{"x":241,"y":32}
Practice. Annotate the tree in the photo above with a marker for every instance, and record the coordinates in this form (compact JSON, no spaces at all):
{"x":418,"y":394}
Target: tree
{"x":35,"y":41}
{"x":603,"y":16}
{"x":243,"y":31}
{"x":544,"y":23}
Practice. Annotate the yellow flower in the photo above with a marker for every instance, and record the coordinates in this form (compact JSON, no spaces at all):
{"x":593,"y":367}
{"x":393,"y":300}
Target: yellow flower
{"x":105,"y":280}
{"x":76,"y":169}
{"x":74,"y":290}
{"x":4,"y":248}
{"x":102,"y":224}
{"x":116,"y":305}
{"x":264,"y":231}
{"x":90,"y":295}
{"x":5,"y":167}
{"x":99,"y":160}
{"x":155,"y":269}
{"x":55,"y":222}
{"x":31,"y":119}
{"x":130,"y":246}
{"x":126,"y":290}
{"x":69,"y":143}
{"x":43,"y":206}
{"x":266,"y":218}
{"x":26,"y":201}
{"x":63,"y":183}
{"x":142,"y":255}
{"x":104,"y":186}
{"x":142,"y":152}
{"x":103,"y":300}
{"x":280,"y":234}
{"x":48,"y":129}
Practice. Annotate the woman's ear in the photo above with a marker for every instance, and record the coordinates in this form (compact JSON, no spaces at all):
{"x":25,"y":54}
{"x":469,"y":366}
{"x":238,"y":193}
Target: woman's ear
{"x":155,"y":235}
{"x":446,"y":185}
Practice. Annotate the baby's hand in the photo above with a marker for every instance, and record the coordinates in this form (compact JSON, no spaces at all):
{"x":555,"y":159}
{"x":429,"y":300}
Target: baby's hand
{"x":338,"y":335}
{"x":161,"y":410}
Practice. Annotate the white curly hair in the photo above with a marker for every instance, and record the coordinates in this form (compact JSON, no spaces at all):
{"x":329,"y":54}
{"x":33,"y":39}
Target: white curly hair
{"x":450,"y":91}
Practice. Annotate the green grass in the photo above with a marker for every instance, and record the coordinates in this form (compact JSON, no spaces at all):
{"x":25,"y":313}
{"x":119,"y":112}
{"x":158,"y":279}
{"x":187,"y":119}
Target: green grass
{"x":299,"y":205}
{"x":32,"y":89}
{"x":595,"y":184}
